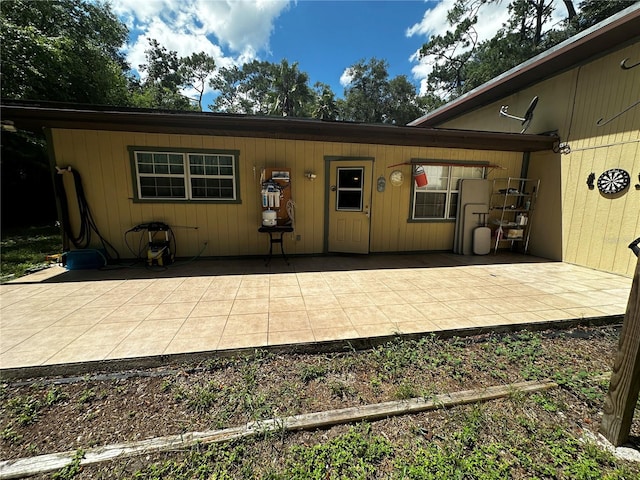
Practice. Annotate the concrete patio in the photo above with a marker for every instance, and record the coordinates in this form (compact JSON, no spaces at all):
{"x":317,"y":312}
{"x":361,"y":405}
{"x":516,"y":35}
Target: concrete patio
{"x":60,"y":321}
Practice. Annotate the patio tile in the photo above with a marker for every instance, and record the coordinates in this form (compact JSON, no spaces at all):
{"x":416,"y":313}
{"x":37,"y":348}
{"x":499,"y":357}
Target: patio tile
{"x":328,"y":319}
{"x":446,"y":294}
{"x":488,"y":320}
{"x":335,"y":333}
{"x":522,"y":317}
{"x":290,"y":336}
{"x":366,"y":315}
{"x":85,"y":316}
{"x":285,"y":321}
{"x":153,"y":313}
{"x":385,"y":298}
{"x":318,"y":302}
{"x":435,"y":311}
{"x":453,"y":323}
{"x":129,"y":313}
{"x":250,"y":305}
{"x":12,"y":337}
{"x":401,"y":313}
{"x":206,"y":309}
{"x":216,"y":294}
{"x":243,"y":341}
{"x":171,"y":310}
{"x":315,"y":290}
{"x":377,"y":329}
{"x":583,"y":312}
{"x":253,"y":292}
{"x":279,"y":291}
{"x":286,"y":304}
{"x":247,"y":324}
{"x":416,"y":326}
{"x":182,"y":296}
{"x":350,"y":300}
{"x":466,"y":308}
{"x":148,"y":338}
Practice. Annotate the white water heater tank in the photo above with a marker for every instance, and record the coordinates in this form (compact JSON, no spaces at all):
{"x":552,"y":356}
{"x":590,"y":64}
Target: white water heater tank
{"x":269,"y":218}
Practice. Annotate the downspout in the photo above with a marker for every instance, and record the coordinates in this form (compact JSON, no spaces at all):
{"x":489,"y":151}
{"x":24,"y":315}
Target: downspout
{"x":57,"y":193}
{"x":524,"y":169}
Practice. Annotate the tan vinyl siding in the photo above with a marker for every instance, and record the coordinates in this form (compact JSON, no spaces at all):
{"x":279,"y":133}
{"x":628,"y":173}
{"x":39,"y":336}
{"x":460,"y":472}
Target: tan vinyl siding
{"x":103,"y":161}
{"x":594,"y":230}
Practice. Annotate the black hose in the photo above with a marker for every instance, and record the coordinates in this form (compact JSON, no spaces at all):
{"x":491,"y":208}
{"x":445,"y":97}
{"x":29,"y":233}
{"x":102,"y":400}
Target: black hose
{"x":87,"y":223}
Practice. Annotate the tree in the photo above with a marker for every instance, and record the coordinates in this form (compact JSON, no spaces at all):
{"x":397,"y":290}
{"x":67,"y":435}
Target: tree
{"x":461,"y":63}
{"x":595,"y":11}
{"x":195,"y":70}
{"x":227,"y":82}
{"x":290,"y":95}
{"x":372,"y":98}
{"x":62,"y":50}
{"x":366,"y":95}
{"x":164,"y":80}
{"x":325,"y":106}
{"x":402,"y":105}
{"x":263,"y":88}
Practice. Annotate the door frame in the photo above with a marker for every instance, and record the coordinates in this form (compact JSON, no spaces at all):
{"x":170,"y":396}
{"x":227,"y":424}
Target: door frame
{"x":328,"y":160}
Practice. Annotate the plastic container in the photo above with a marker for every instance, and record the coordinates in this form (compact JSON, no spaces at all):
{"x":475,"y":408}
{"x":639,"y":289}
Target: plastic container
{"x":84,"y":259}
{"x":269,"y":218}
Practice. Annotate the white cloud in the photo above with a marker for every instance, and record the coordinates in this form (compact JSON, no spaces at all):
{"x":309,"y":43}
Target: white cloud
{"x":491,"y":18}
{"x":231,"y":31}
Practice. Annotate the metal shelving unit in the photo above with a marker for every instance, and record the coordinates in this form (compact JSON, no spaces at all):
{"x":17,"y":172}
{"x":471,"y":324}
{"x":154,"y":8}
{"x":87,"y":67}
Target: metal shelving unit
{"x":515,"y":199}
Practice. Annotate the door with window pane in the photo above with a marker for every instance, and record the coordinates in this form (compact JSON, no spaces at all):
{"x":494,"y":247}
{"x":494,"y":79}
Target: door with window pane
{"x":349,"y":206}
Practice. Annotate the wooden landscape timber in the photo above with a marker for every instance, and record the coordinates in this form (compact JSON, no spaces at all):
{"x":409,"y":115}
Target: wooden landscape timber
{"x":25,"y":467}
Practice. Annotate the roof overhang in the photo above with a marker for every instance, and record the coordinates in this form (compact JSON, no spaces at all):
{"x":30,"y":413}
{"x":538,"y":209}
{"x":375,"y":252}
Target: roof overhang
{"x":618,"y":30}
{"x":34,"y":116}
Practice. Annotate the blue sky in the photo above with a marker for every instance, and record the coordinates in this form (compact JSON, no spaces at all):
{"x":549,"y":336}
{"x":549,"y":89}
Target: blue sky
{"x":325,"y":37}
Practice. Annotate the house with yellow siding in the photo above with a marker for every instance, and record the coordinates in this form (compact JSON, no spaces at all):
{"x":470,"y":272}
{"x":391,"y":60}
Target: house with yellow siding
{"x":588,"y":93}
{"x":360,"y":188}
{"x":203,"y":175}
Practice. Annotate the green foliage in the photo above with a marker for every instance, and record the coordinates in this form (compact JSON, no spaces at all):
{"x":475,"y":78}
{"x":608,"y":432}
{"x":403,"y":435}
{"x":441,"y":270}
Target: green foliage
{"x":72,"y":470}
{"x":372,"y":98}
{"x":460,"y":62}
{"x":312,"y":372}
{"x":26,"y":249}
{"x":63,"y":50}
{"x":354,"y":455}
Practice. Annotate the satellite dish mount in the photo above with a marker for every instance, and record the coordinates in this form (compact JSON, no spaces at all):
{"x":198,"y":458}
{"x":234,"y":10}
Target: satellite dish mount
{"x":528,"y":116}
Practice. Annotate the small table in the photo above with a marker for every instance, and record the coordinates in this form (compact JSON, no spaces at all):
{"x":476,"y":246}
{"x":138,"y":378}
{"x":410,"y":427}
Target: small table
{"x":281,"y":229}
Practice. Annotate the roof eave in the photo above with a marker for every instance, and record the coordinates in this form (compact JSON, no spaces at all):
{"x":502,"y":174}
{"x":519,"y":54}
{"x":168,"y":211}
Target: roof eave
{"x":37,"y":117}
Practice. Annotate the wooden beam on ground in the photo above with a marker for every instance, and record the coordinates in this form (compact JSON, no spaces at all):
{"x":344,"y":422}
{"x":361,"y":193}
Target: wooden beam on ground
{"x":621,"y":399}
{"x":25,"y":467}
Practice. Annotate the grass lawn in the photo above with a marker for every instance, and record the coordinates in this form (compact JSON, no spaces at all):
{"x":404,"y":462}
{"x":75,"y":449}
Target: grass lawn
{"x":26,"y":249}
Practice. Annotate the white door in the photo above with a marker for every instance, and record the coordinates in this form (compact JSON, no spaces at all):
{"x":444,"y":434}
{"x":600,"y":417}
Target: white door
{"x":349,"y":206}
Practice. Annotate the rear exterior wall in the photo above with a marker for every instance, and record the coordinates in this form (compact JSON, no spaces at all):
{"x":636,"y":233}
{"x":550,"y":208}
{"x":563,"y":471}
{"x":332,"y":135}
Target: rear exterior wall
{"x":103,"y":161}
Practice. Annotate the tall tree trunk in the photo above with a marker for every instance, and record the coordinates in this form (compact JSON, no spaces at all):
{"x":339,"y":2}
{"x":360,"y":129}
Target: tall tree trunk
{"x":571,"y":10}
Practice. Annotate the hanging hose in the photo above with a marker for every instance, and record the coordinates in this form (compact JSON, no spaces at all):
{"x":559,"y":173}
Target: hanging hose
{"x":87,"y":223}
{"x":291,"y":205}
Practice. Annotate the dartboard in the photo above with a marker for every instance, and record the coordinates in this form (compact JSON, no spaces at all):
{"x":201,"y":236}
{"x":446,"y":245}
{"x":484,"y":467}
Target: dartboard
{"x":613,"y":181}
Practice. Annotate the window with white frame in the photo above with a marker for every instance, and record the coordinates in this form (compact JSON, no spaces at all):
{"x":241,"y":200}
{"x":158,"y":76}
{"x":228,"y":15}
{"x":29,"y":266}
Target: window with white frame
{"x":184,"y":175}
{"x":439,"y":198}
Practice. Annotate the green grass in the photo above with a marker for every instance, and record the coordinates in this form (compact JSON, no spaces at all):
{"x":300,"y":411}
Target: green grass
{"x":26,"y":250}
{"x":475,"y":443}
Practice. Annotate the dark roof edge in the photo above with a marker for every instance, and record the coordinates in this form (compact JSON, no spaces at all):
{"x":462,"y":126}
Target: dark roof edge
{"x":37,"y":115}
{"x":597,"y":40}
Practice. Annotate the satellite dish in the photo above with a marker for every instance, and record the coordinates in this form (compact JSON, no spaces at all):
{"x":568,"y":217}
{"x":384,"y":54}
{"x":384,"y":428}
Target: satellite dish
{"x":528,"y":116}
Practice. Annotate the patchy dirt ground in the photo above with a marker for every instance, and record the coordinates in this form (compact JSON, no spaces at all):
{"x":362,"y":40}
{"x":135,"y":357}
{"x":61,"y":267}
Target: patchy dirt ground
{"x":47,"y":415}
